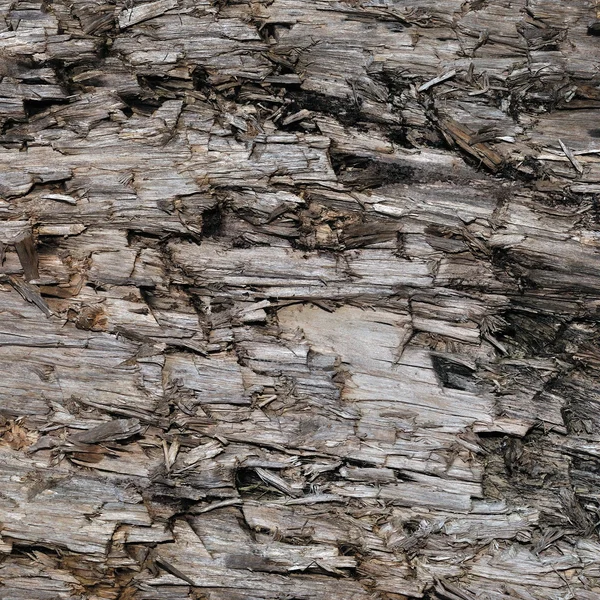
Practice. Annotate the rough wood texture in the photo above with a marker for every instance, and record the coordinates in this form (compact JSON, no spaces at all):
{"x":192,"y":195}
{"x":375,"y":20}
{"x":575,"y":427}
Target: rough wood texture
{"x":299,"y":300}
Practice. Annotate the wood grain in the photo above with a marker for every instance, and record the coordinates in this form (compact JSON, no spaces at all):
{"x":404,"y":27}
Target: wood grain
{"x":299,"y":300}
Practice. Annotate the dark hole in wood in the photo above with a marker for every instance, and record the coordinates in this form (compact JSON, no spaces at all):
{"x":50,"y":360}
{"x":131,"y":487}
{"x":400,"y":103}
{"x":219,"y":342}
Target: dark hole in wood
{"x":451,"y":374}
{"x":594,"y":29}
{"x":212,"y":221}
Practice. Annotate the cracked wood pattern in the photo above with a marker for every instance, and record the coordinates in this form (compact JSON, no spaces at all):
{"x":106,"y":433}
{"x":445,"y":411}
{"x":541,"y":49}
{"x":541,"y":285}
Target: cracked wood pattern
{"x":299,"y":300}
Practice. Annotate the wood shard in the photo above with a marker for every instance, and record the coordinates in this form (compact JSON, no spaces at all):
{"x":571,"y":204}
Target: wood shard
{"x":30,"y":293}
{"x":28,"y":257}
{"x":436,"y":80}
{"x":299,"y":300}
{"x":576,"y":164}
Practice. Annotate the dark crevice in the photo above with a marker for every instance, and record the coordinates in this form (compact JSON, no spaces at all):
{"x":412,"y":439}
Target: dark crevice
{"x":452,"y":374}
{"x":346,"y":110}
{"x":364,"y":173}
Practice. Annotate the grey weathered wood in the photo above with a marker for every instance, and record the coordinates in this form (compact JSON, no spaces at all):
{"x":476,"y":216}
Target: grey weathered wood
{"x":299,"y":300}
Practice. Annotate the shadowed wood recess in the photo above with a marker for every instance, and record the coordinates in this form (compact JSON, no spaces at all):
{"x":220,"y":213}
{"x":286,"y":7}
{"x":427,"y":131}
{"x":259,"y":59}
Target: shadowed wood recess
{"x":299,"y":300}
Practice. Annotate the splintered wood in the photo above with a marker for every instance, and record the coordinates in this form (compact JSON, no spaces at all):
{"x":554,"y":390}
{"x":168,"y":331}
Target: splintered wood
{"x":299,"y":300}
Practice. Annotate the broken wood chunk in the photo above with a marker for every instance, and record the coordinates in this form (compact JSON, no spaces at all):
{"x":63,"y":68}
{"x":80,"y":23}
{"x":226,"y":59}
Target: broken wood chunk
{"x":462,"y":137}
{"x":118,"y":429}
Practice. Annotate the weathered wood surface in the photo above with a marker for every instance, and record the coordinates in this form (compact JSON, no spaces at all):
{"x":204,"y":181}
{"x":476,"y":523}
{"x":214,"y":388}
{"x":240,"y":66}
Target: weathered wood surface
{"x":299,"y":300}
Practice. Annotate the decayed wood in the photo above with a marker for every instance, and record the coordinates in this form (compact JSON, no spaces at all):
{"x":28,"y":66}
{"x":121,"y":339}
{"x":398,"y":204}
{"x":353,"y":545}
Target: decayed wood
{"x":299,"y":300}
